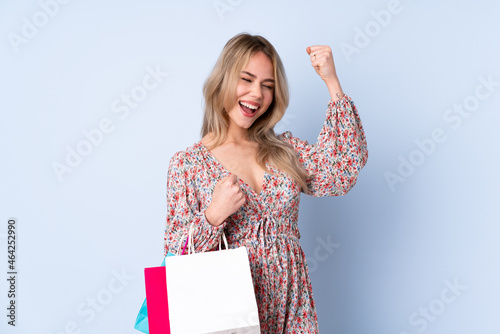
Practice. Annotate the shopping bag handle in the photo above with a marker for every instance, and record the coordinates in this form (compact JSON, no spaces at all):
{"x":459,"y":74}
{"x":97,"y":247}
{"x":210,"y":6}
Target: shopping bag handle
{"x":225,"y":241}
{"x":190,"y":244}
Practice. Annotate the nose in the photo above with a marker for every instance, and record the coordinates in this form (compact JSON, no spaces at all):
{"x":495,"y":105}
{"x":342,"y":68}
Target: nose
{"x":256,"y":91}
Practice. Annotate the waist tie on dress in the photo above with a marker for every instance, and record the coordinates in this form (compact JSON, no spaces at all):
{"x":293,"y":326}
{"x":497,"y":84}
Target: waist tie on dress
{"x":266,"y":236}
{"x":266,"y":232}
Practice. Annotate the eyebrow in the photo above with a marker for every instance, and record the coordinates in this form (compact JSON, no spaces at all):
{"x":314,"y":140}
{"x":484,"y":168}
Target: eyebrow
{"x":254,"y":76}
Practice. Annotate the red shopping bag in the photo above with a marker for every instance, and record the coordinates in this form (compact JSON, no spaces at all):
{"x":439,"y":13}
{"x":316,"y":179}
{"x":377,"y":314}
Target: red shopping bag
{"x":157,"y":300}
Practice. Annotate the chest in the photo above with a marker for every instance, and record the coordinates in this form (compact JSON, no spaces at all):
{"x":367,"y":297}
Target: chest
{"x":278,"y":191}
{"x":243,"y":164}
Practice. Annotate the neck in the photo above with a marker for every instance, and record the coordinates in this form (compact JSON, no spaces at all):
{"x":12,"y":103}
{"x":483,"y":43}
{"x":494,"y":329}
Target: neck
{"x":236,"y":134}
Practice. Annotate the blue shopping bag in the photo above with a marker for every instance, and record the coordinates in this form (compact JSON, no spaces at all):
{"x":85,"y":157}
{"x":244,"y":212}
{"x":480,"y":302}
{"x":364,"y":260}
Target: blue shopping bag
{"x":141,"y":322}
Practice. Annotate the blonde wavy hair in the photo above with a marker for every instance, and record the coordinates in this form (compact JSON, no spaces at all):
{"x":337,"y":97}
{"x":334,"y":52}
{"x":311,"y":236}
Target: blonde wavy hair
{"x":220,"y":90}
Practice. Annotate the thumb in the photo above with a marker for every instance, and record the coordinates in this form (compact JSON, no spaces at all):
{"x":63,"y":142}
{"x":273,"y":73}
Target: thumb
{"x":308,"y":50}
{"x":225,"y":178}
{"x":232,"y":178}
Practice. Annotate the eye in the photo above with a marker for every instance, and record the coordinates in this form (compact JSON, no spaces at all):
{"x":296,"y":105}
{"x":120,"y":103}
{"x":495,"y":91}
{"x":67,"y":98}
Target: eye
{"x":268,"y":87}
{"x":246,"y":79}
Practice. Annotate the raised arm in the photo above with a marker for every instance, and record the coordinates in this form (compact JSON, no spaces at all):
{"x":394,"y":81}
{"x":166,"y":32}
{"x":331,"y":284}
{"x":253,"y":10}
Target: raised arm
{"x":334,"y":162}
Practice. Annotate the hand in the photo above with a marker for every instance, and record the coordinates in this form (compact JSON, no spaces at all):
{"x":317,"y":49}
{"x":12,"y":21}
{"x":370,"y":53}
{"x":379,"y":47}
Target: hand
{"x":227,"y":198}
{"x":322,"y":61}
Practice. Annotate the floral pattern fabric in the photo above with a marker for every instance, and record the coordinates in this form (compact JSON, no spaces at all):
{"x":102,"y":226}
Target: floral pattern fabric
{"x":267,"y":224}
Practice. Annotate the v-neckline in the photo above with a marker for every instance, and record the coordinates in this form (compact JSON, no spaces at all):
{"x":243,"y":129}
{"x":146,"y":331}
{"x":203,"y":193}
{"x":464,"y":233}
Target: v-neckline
{"x":212,"y":156}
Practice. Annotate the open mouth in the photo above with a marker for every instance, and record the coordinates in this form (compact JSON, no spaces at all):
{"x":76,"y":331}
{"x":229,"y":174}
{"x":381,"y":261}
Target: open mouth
{"x":248,"y":109}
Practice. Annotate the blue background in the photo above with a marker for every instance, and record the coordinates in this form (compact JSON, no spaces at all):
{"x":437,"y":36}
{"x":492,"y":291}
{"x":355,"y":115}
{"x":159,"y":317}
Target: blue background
{"x":419,"y":220}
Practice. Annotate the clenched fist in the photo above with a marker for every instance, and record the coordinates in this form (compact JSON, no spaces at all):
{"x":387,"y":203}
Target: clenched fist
{"x":227,"y":198}
{"x":322,"y":61}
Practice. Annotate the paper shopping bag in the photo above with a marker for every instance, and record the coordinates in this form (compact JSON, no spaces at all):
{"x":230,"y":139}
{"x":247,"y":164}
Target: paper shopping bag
{"x":157,"y":300}
{"x":141,"y":321}
{"x":211,"y":292}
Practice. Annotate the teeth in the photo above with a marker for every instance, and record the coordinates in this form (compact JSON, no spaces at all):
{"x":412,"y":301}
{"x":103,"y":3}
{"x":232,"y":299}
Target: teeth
{"x":249,"y":105}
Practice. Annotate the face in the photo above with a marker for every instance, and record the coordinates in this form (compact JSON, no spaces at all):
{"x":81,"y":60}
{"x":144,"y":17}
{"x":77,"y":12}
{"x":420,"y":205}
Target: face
{"x":254,"y":91}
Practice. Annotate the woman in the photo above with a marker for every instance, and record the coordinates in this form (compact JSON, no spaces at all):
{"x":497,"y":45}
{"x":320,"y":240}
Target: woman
{"x":245,"y":180}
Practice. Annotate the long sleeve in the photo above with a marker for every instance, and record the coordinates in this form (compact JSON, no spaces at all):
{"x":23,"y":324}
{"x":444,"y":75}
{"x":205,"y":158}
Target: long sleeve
{"x":334,"y":162}
{"x":184,"y":208}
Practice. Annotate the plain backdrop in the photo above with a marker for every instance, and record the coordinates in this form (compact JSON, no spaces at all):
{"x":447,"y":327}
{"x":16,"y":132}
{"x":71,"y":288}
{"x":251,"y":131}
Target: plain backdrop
{"x":413,"y":248}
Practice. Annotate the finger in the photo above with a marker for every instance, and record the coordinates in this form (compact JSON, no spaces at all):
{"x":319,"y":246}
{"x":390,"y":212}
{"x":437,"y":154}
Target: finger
{"x":320,"y":52}
{"x":318,"y":55}
{"x":321,"y":58}
{"x":315,"y":57}
{"x":311,"y":52}
{"x":236,"y":193}
{"x":318,"y":61}
{"x":232,"y":178}
{"x":240,"y":196}
{"x":224,"y":180}
{"x":315,"y":49}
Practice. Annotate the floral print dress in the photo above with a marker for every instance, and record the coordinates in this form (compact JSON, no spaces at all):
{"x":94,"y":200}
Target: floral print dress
{"x":267,"y":223}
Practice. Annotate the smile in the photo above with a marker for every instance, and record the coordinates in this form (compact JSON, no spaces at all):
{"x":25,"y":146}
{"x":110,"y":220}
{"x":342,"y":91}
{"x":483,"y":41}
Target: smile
{"x":248,"y":109}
